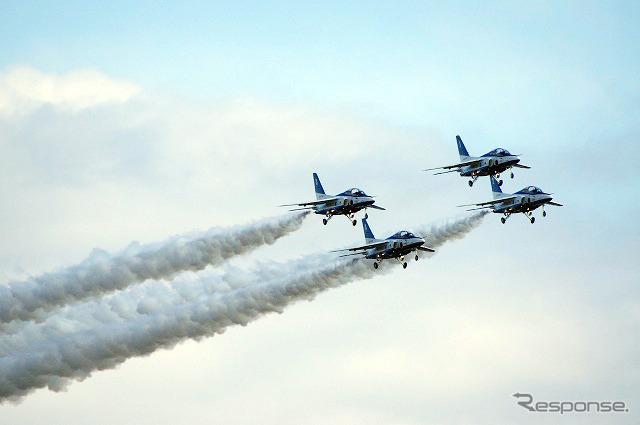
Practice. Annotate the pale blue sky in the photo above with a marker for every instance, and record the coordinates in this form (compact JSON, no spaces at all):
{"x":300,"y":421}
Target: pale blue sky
{"x":415,"y":63}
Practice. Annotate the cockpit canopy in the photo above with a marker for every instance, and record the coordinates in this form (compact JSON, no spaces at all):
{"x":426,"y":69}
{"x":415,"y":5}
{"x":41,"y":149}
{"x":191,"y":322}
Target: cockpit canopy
{"x":403,"y":234}
{"x":498,"y":152}
{"x":531,"y":190}
{"x":353,"y":192}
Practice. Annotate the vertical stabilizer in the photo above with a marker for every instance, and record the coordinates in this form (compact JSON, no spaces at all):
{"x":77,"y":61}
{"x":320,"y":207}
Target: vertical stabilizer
{"x":462,"y":150}
{"x":319,"y":190}
{"x":368,"y":234}
{"x":495,"y":188}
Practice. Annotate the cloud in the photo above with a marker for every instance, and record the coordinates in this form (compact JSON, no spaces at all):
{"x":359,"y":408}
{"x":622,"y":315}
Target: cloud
{"x":23,"y":89}
{"x":149,"y":165}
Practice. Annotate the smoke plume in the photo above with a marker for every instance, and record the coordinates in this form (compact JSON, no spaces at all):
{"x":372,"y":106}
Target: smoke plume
{"x":102,"y":273}
{"x":453,"y":228}
{"x":53,"y":360}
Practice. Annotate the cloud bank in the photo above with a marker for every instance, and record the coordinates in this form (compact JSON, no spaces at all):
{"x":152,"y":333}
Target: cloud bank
{"x":23,"y":89}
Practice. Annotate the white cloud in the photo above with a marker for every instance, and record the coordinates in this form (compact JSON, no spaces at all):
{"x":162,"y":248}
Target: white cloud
{"x":154,"y":165}
{"x":23,"y":88}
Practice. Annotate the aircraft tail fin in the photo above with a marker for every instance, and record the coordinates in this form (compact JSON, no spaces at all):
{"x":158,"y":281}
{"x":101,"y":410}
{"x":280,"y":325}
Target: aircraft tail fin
{"x":319,"y":189}
{"x":462,"y":150}
{"x":368,"y":234}
{"x":495,"y":188}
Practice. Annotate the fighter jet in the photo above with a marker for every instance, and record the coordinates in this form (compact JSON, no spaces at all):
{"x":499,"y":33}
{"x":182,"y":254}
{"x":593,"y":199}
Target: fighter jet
{"x":490,"y":164}
{"x":523,"y":201}
{"x":395,"y":246}
{"x":346,"y":203}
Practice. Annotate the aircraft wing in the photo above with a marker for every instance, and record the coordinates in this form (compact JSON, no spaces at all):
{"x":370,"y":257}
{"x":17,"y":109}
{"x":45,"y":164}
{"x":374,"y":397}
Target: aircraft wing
{"x":489,"y":203}
{"x":426,"y":248}
{"x":355,"y":253}
{"x":318,"y":202}
{"x":479,"y":208}
{"x":444,"y":172}
{"x":460,"y":164}
{"x":555,"y":204}
{"x":363,"y":247}
{"x":521,"y":166}
{"x":298,"y":209}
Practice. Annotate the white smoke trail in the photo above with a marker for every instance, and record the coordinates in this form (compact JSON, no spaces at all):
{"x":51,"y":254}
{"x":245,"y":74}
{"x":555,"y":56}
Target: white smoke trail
{"x":54,"y":361}
{"x":103,"y":273}
{"x":140,"y":300}
{"x":451,"y":229}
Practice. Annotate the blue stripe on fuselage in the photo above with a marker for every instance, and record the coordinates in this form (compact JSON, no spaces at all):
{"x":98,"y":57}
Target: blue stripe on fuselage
{"x":344,"y":209}
{"x":528,"y":206}
{"x":488,"y":171}
{"x":395,"y":252}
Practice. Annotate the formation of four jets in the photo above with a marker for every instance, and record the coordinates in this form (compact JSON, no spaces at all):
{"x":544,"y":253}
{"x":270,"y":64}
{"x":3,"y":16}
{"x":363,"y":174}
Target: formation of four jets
{"x":403,"y":243}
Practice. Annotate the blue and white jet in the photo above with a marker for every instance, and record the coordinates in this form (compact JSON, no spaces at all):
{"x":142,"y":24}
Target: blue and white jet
{"x":523,"y":201}
{"x":346,"y":203}
{"x":490,"y":164}
{"x":396,"y":246}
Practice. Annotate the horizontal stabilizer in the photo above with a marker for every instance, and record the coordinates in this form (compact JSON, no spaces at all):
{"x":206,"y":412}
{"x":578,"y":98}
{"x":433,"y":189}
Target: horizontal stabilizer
{"x":376,"y":207}
{"x":521,"y":166}
{"x":555,"y":204}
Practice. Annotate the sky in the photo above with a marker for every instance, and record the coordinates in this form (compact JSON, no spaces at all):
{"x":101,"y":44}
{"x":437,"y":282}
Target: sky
{"x":123,"y":123}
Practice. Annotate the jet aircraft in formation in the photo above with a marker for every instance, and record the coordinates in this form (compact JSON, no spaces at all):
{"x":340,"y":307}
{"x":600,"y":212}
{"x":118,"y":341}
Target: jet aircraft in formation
{"x":403,"y":243}
{"x":395,"y":246}
{"x":524,"y":201}
{"x":346,"y":203}
{"x":490,"y":164}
